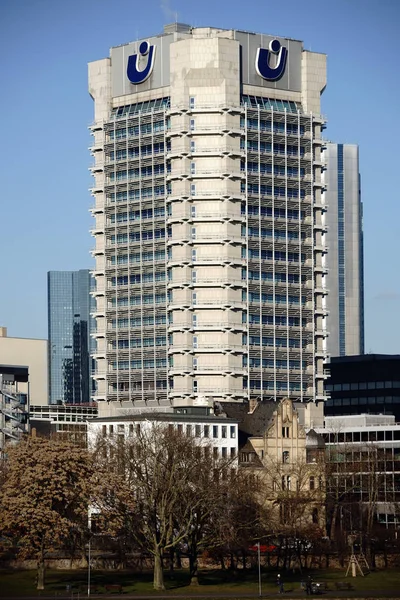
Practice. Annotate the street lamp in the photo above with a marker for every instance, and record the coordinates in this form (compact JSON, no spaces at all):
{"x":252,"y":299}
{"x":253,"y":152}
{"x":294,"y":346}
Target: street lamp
{"x":259,"y":569}
{"x":90,"y":537}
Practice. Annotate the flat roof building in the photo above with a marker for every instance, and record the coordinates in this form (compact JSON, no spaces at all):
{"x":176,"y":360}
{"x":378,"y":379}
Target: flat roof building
{"x":66,"y":422}
{"x":363,"y":458}
{"x":209,"y":219}
{"x":29,"y":353}
{"x":208,"y":429}
{"x":364,"y":384}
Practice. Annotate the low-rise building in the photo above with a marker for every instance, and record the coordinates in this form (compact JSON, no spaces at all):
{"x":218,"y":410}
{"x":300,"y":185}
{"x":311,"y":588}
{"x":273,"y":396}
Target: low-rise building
{"x":66,"y":421}
{"x":30,"y":353}
{"x":199,"y":421}
{"x":287,"y":459}
{"x":363,"y":458}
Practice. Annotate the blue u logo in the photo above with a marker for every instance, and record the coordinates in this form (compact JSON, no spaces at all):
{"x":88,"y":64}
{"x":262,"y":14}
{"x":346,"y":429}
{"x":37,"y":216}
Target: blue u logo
{"x":134,"y":75}
{"x":263,"y":67}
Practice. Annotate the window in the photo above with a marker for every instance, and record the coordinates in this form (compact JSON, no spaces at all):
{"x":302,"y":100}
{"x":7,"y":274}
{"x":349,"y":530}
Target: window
{"x":223,"y":431}
{"x":192,"y":124}
{"x":193,"y":189}
{"x":193,"y":210}
{"x":285,"y":456}
{"x":194,"y":254}
{"x":315,"y":515}
{"x":138,"y":429}
{"x":104,"y":428}
{"x":233,"y":452}
{"x":192,"y":101}
{"x":193,"y":233}
{"x":286,"y":482}
{"x":188,"y":430}
{"x":195,"y":363}
{"x":180,"y":428}
{"x":195,"y":387}
{"x":215,"y":431}
{"x":193,"y":168}
{"x":194,"y":298}
{"x":194,"y":320}
{"x":285,"y":432}
{"x":224,"y":452}
{"x":195,"y":341}
{"x":194,"y":276}
{"x":197,"y":430}
{"x":215,"y":453}
{"x":312,"y":482}
{"x":192,"y":146}
{"x":131,"y":429}
{"x":233,"y":431}
{"x":206,"y":431}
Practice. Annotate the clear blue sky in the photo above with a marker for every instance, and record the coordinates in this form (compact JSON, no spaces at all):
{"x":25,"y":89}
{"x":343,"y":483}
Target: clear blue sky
{"x":45,"y":46}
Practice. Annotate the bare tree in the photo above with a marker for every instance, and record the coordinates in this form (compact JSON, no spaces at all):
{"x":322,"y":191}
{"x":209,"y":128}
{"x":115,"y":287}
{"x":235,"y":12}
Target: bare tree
{"x":165,"y":472}
{"x":295,"y":492}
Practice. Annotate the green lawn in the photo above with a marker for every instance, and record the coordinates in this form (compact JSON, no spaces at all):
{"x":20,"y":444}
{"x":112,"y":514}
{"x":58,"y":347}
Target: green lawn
{"x":14,"y":584}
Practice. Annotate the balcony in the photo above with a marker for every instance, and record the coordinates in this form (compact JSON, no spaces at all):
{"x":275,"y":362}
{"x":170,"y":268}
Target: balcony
{"x":221,"y":304}
{"x":211,"y":391}
{"x":206,"y":326}
{"x":207,"y":369}
{"x":207,"y":348}
{"x":207,"y":282}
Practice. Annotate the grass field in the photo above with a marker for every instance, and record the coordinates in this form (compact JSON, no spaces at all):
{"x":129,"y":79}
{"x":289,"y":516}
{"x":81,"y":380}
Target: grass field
{"x":14,"y":584}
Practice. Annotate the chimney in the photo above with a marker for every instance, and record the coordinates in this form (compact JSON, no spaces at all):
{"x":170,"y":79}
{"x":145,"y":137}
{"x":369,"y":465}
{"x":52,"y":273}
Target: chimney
{"x":253,"y":403}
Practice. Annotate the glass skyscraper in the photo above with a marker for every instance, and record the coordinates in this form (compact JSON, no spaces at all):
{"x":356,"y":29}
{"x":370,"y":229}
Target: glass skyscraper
{"x":69,"y":327}
{"x":344,"y":238}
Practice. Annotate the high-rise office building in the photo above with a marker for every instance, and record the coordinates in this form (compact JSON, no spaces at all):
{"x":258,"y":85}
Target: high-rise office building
{"x":69,"y":329}
{"x":209,"y":218}
{"x":344,"y":238}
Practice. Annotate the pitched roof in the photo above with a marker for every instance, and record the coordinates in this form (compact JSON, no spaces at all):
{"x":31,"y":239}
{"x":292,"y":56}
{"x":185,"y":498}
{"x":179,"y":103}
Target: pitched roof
{"x":254,"y":423}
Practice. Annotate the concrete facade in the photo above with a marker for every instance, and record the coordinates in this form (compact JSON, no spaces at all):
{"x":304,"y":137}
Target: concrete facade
{"x":209,"y":223}
{"x":29,"y":353}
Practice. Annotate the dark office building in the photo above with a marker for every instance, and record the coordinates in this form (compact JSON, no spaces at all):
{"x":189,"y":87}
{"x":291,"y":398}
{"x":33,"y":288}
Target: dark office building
{"x":369,"y":383}
{"x":69,"y":324}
